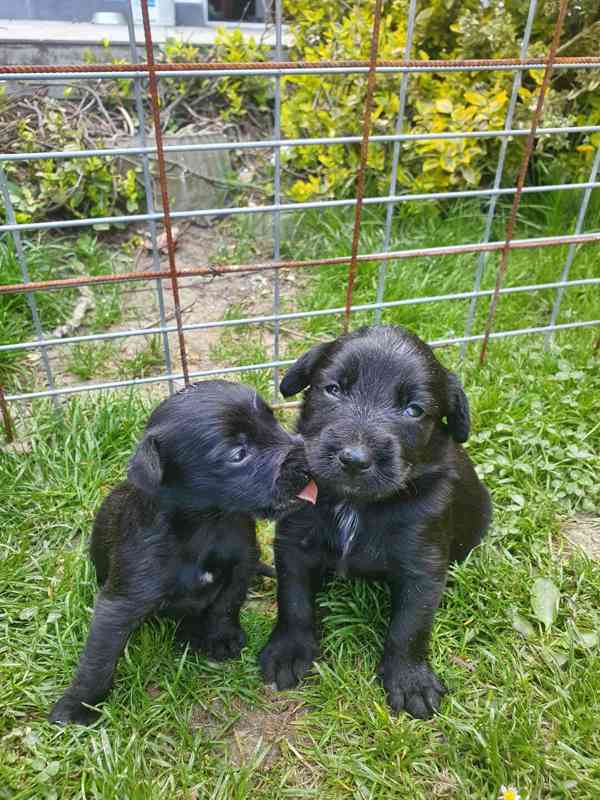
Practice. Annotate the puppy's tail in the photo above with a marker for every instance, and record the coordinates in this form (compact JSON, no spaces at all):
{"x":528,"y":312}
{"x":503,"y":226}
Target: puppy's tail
{"x":265,"y":570}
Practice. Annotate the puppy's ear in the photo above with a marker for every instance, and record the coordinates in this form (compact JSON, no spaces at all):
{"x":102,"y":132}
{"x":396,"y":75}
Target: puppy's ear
{"x":146,"y":468}
{"x":459,"y":419}
{"x":299,"y":374}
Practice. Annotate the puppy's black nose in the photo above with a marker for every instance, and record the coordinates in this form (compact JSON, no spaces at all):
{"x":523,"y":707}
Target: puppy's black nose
{"x":355,"y":459}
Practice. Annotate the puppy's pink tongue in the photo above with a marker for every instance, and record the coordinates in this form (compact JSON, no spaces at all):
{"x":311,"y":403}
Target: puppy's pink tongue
{"x":309,"y":493}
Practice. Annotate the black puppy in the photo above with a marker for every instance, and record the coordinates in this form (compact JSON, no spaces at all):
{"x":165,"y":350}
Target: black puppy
{"x":177,"y":537}
{"x":398,"y":500}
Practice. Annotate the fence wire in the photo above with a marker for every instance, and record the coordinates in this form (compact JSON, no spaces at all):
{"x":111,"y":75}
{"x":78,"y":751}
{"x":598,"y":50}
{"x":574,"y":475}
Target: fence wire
{"x":276,"y":69}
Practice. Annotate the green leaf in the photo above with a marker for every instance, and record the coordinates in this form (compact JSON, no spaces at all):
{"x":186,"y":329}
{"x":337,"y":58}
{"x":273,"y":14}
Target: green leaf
{"x":545,"y":598}
{"x":587,"y":639}
{"x":522,"y":625}
{"x":444,"y":105}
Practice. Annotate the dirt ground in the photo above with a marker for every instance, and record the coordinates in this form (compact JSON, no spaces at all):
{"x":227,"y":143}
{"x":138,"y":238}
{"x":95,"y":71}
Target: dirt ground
{"x":203,"y":299}
{"x":582,"y":531}
{"x":266,"y":729}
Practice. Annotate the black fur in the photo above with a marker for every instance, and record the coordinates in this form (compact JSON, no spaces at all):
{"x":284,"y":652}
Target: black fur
{"x":398,"y":500}
{"x":178,"y":536}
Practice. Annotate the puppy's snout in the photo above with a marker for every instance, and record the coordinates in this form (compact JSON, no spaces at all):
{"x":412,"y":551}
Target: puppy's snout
{"x":355,"y":459}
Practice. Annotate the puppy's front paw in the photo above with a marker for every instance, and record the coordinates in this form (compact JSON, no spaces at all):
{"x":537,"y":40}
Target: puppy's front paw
{"x":70,"y":711}
{"x":411,"y":686}
{"x":287,"y":658}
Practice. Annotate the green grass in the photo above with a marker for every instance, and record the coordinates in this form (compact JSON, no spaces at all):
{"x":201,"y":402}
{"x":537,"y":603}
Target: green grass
{"x":243,"y":344}
{"x":50,"y":258}
{"x":99,"y":360}
{"x":330,"y":235}
{"x":522,"y":710}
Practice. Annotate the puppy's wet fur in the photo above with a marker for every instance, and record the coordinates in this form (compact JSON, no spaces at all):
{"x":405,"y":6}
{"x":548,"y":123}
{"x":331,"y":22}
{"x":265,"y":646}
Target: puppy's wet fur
{"x":178,"y":536}
{"x":398,"y":500}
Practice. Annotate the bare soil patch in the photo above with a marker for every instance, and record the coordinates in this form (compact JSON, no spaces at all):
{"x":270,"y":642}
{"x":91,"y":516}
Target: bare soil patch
{"x":582,"y":531}
{"x":266,"y":729}
{"x":203,"y":300}
{"x":256,"y":732}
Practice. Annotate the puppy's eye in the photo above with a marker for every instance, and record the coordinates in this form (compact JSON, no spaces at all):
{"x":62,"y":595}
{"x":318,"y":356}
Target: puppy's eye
{"x":333,"y":390}
{"x":238,"y":455}
{"x":413,"y":410}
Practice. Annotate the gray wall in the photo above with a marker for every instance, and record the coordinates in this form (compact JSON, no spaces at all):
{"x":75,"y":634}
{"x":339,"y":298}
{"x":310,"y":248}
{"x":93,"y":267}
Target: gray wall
{"x":67,"y":10}
{"x":186,"y":13}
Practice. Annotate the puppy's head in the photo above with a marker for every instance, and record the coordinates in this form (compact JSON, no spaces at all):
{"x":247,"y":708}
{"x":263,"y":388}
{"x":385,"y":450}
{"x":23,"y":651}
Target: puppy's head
{"x":378,"y":411}
{"x":217,"y":445}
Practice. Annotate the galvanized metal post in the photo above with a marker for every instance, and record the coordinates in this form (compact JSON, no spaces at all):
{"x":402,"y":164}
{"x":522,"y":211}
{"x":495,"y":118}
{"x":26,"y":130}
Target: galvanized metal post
{"x":31,"y":302}
{"x":277,"y":193}
{"x":572,"y":248}
{"x":512,"y":104}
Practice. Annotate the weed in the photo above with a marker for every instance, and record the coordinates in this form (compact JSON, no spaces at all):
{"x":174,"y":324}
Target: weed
{"x":143,"y":363}
{"x":89,"y":359}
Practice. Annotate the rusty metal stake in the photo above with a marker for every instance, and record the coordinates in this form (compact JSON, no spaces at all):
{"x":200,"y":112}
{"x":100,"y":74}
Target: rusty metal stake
{"x":364,"y":152}
{"x":9,"y":428}
{"x":529,"y":144}
{"x":162,"y":178}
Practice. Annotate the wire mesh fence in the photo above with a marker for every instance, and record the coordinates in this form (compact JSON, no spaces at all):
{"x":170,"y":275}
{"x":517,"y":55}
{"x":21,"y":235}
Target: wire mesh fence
{"x":175,"y":364}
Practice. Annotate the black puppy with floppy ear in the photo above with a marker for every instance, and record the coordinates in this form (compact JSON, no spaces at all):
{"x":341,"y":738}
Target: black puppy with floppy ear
{"x":178,"y":536}
{"x":398,"y":500}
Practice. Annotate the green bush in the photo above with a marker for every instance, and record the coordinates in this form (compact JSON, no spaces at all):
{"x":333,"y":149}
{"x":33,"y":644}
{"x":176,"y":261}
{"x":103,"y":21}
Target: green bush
{"x":233,"y":97}
{"x":318,"y":106}
{"x":332,"y":105}
{"x":98,"y":187}
{"x":68,"y":187}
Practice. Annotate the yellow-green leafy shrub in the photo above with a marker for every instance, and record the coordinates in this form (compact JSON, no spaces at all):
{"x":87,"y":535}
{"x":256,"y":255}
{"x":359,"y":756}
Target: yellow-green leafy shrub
{"x":332,"y":105}
{"x":234,"y":97}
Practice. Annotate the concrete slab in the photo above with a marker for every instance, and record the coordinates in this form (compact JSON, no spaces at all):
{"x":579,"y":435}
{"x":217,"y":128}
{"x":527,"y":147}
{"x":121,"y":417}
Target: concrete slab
{"x":53,"y":33}
{"x":27,"y":42}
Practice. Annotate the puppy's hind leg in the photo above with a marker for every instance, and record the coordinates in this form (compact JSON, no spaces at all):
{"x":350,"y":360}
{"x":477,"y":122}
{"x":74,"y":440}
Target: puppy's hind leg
{"x":217,"y":632}
{"x":115,"y":618}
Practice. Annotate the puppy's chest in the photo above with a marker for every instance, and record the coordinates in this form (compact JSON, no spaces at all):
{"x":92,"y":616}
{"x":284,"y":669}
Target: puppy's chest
{"x":352,"y":547}
{"x":346,"y":525}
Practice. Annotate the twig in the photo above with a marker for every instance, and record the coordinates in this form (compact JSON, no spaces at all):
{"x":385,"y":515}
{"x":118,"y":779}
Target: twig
{"x":586,"y":33}
{"x":37,"y":112}
{"x":98,"y":99}
{"x":85,"y":304}
{"x":172,"y":316}
{"x":128,"y":120}
{"x":166,"y":115}
{"x":204,"y":122}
